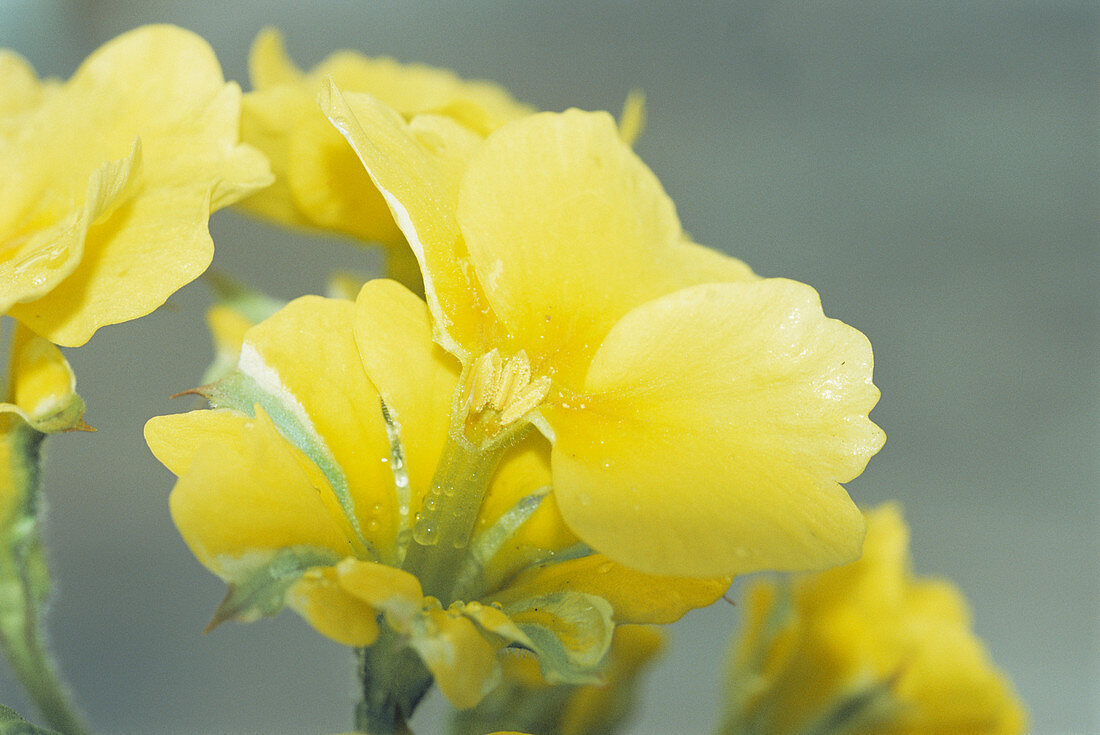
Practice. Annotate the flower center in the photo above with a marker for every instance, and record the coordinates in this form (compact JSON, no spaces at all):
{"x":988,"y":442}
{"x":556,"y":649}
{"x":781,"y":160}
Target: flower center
{"x":499,"y":394}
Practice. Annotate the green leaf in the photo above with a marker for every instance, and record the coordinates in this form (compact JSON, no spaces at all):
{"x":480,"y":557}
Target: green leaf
{"x":260,"y":580}
{"x":12,"y":724}
{"x":570,"y":632}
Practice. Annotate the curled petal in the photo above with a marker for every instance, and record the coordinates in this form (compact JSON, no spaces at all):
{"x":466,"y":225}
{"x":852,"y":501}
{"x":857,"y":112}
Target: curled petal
{"x":416,"y":166}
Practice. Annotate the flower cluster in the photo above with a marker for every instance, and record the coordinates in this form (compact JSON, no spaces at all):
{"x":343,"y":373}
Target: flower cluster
{"x":559,"y":419}
{"x":865,"y":648}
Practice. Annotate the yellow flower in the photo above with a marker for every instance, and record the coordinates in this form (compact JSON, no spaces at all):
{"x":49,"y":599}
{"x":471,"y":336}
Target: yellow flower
{"x":319,"y":182}
{"x":866,"y":648}
{"x":702,"y":419}
{"x":107,"y":180}
{"x":40,"y":395}
{"x":303,"y":488}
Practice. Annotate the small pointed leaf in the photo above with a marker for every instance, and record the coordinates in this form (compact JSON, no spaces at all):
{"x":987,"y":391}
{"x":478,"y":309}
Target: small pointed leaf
{"x":261,"y":580}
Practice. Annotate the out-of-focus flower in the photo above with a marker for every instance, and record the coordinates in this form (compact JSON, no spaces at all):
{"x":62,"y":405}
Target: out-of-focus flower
{"x":107,"y":181}
{"x":866,"y":648}
{"x":304,"y":486}
{"x":525,"y":701}
{"x":319,"y":183}
{"x":39,"y":398}
{"x":701,"y":419}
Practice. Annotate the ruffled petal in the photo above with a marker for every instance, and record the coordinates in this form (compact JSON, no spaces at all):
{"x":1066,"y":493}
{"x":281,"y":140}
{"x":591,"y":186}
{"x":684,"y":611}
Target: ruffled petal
{"x":716,"y":426}
{"x":161,"y":86}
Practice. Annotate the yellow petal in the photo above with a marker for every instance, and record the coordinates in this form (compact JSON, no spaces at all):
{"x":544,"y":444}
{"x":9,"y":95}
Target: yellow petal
{"x":417,"y":167}
{"x":321,"y":183}
{"x":268,"y":62}
{"x":160,"y":85}
{"x":415,"y":377}
{"x":387,"y":589}
{"x":305,"y":357}
{"x":567,"y":230}
{"x":635,"y":597}
{"x":248,"y":492}
{"x":175,"y":438}
{"x":524,"y":470}
{"x":717,"y":426}
{"x":42,"y":386}
{"x":334,"y":612}
{"x":126,"y":271}
{"x":329,"y":185}
{"x":46,"y":235}
{"x":266,"y":119}
{"x":632,"y":118}
{"x":20,"y":90}
{"x":463,"y":663}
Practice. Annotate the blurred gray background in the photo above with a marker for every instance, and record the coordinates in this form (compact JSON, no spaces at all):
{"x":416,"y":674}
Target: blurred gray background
{"x":930,"y":167}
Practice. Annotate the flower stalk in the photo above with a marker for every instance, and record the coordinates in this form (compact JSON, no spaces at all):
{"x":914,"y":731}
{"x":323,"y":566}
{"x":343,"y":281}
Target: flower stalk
{"x":393,"y":681}
{"x":24,"y":581}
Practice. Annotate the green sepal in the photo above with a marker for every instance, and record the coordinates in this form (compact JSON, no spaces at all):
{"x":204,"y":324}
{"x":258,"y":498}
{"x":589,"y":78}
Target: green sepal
{"x":570,"y":632}
{"x":12,"y":724}
{"x":258,"y":582}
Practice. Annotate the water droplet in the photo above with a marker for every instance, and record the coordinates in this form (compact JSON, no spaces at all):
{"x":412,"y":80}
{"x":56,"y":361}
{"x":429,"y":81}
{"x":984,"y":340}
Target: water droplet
{"x":496,"y":605}
{"x":376,"y":509}
{"x":372,"y":525}
{"x":605,"y":567}
{"x":431,"y":502}
{"x":586,"y":500}
{"x":426,"y":533}
{"x":385,"y":460}
{"x":473,"y":607}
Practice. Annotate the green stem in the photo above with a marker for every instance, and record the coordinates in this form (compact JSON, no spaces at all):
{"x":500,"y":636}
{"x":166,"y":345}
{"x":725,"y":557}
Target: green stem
{"x":393,"y":680}
{"x":24,"y":579}
{"x":449,"y":512}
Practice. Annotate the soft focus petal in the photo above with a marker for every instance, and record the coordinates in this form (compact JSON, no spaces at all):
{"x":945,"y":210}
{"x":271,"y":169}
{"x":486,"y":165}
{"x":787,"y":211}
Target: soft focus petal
{"x":328,"y":183}
{"x":42,"y":386}
{"x":265,"y":117}
{"x":321,"y":183}
{"x":20,"y":90}
{"x":717,"y":426}
{"x":248,"y":492}
{"x":161,"y":86}
{"x":417,"y":168}
{"x":869,"y":646}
